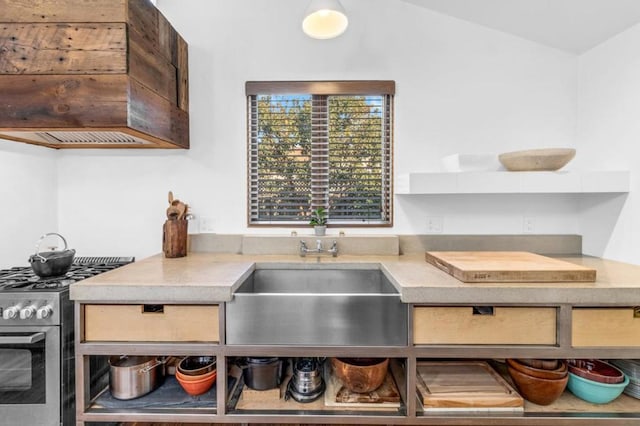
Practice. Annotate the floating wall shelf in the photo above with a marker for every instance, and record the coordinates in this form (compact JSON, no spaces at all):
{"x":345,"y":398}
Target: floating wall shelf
{"x":504,"y":182}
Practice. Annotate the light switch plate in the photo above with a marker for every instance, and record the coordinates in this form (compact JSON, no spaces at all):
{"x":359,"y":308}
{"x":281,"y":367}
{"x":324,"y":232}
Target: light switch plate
{"x":528,"y":225}
{"x":207,"y":225}
{"x":434,"y":224}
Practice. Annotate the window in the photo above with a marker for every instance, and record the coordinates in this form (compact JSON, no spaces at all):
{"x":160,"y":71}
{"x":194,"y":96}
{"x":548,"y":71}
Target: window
{"x":320,"y":144}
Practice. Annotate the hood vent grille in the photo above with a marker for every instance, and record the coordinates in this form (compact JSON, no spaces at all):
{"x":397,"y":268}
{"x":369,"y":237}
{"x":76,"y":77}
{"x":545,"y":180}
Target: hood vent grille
{"x":109,"y":138}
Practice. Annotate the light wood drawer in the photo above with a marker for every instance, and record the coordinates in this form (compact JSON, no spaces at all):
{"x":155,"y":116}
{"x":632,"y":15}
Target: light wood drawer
{"x":174,"y":323}
{"x":598,"y":327}
{"x":466,"y":325}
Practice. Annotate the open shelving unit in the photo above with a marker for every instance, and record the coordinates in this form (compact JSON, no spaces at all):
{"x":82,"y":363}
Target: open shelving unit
{"x":504,"y":182}
{"x":227,"y":408}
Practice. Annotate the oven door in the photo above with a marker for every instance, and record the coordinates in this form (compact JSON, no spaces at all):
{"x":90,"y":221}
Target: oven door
{"x":29,"y":375}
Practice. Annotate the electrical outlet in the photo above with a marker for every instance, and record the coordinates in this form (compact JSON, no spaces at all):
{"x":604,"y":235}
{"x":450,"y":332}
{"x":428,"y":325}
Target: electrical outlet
{"x":207,"y":225}
{"x":194,"y":225}
{"x":434,"y":224}
{"x":528,"y":225}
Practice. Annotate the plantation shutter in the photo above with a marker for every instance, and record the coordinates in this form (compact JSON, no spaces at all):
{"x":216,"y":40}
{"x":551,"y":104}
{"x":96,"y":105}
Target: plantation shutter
{"x":320,"y":144}
{"x":319,"y":152}
{"x":279,"y":158}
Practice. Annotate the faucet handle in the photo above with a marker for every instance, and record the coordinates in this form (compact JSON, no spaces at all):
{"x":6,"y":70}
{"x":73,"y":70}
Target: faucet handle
{"x":303,"y":248}
{"x":334,"y":248}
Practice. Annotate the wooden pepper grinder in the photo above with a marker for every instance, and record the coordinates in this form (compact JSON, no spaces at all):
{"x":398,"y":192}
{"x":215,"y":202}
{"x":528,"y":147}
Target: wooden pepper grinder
{"x":174,"y":231}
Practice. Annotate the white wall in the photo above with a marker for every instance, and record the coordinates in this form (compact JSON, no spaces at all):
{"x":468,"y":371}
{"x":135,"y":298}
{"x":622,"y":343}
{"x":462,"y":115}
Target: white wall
{"x":460,"y":88}
{"x":609,"y":136}
{"x":28,"y":189}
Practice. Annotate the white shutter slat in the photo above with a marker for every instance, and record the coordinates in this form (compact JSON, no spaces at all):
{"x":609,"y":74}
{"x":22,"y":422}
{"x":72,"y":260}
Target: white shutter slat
{"x":309,"y":151}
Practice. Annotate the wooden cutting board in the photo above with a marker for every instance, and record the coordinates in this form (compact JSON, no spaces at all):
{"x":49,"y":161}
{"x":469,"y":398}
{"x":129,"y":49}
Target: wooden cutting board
{"x":507,"y":266}
{"x":464,"y":384}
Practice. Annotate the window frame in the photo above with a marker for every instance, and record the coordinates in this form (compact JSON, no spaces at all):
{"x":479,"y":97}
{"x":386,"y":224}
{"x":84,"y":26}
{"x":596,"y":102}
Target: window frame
{"x":328,"y":88}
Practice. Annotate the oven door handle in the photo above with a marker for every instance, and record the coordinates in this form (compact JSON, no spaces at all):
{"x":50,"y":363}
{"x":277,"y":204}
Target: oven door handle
{"x":21,"y":340}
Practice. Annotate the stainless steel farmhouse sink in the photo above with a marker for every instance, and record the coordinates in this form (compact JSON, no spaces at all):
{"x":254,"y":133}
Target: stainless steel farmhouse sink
{"x":316,"y":307}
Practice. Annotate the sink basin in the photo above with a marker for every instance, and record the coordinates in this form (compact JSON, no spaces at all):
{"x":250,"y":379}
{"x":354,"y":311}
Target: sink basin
{"x":318,"y":307}
{"x":317,"y":281}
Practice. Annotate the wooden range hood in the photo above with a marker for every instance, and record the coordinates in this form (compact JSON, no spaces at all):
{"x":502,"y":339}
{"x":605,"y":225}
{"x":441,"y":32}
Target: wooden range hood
{"x":92,"y":74}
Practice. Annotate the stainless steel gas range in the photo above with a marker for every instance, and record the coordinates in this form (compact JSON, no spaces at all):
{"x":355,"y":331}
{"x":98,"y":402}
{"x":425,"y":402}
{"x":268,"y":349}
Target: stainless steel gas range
{"x":37,"y":385}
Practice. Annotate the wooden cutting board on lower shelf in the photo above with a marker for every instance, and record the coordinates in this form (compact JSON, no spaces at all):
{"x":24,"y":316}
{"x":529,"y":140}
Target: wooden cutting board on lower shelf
{"x":508,"y":266}
{"x":464,"y":385}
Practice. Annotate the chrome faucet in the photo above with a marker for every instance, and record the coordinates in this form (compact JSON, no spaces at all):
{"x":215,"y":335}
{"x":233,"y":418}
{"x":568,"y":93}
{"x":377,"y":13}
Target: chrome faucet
{"x":318,"y":250}
{"x":303,"y":248}
{"x":334,"y":249}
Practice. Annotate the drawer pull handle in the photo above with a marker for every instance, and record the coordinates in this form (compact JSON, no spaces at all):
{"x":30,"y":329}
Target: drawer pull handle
{"x":153,"y":309}
{"x":636,"y":311}
{"x":483,"y":310}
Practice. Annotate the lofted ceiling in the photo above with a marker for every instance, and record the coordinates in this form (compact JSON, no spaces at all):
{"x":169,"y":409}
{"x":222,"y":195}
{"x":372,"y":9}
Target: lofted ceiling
{"x":571,"y":25}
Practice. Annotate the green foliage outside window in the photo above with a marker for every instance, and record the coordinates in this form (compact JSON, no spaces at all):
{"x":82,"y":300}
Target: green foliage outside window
{"x":296,"y":175}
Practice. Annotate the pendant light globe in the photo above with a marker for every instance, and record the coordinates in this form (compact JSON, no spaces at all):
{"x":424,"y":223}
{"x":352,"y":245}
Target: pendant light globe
{"x":324,"y":19}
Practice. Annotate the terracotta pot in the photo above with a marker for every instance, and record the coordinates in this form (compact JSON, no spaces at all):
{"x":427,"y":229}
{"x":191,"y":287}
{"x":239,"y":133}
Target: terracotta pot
{"x":197,"y":387}
{"x":188,"y":378}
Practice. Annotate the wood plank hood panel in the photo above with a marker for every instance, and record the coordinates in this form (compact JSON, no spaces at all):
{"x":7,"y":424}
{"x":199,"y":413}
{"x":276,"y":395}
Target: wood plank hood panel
{"x":88,"y":74}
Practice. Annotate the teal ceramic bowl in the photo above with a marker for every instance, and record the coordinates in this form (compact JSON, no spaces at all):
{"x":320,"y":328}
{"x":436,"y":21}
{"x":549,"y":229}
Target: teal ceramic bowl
{"x":595,"y":392}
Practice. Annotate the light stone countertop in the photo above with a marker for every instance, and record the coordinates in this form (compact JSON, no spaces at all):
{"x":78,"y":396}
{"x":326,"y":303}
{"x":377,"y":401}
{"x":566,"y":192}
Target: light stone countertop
{"x":213,"y":277}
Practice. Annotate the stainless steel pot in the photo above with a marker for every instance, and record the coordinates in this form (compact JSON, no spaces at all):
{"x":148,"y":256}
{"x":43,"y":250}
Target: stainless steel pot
{"x":134,"y":376}
{"x":51,"y":263}
{"x":263,"y":373}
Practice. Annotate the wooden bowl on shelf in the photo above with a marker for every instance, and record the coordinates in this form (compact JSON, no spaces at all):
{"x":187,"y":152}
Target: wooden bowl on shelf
{"x":361,"y":375}
{"x":537,"y":390}
{"x":550,"y":159}
{"x":543,"y":364}
{"x":558,"y":373}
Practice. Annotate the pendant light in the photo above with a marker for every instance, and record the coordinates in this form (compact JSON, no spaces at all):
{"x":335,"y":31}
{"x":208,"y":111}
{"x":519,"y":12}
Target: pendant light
{"x":324,"y":19}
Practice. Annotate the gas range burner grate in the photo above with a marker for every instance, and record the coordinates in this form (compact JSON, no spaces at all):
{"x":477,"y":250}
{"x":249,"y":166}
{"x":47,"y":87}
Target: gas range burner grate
{"x":52,"y":284}
{"x":105,"y":259}
{"x":24,"y":279}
